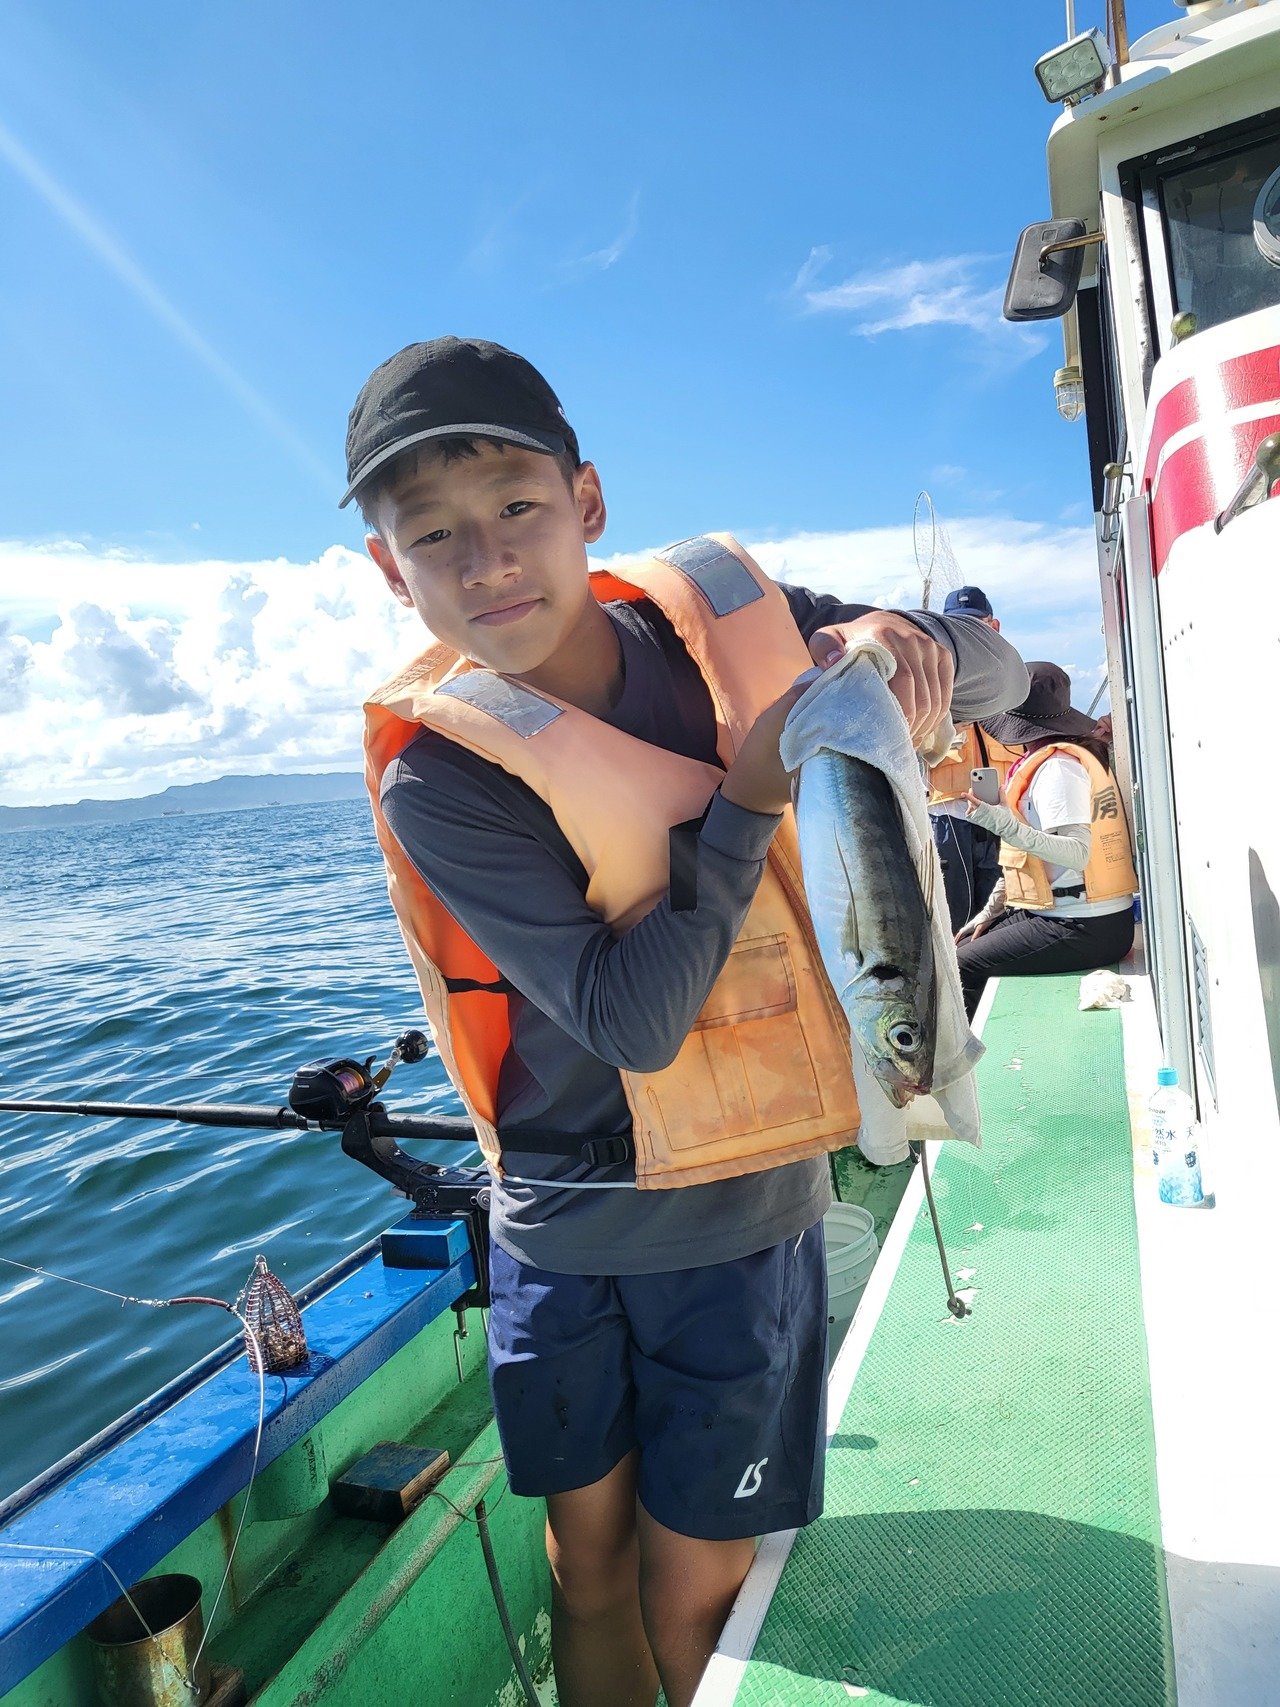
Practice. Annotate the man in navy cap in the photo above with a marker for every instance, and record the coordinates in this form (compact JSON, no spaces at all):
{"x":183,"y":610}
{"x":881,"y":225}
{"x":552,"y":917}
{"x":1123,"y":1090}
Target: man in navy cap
{"x":968,"y":854}
{"x":971,"y":601}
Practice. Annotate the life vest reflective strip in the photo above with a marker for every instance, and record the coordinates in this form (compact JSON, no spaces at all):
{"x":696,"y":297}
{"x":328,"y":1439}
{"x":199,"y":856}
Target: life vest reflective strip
{"x":950,"y":780}
{"x":764,"y":1076}
{"x":1109,"y":874}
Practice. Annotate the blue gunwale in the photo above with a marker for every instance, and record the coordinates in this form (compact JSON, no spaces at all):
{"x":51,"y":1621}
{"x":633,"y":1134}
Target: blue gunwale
{"x":136,"y":1502}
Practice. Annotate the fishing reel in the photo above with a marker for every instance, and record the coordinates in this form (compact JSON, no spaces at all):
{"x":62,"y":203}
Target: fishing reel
{"x":328,"y":1093}
{"x":341,"y":1095}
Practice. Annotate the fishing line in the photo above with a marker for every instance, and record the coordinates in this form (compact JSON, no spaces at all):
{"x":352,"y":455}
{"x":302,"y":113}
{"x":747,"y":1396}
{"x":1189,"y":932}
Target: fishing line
{"x":260,"y":1367}
{"x":571,"y":1185}
{"x":480,"y":1519}
{"x":500,"y":1601}
{"x":81,"y":1553}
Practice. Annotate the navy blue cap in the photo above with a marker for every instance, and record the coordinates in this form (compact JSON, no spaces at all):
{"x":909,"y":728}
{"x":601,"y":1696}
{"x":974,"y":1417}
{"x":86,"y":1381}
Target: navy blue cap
{"x":967,"y":601}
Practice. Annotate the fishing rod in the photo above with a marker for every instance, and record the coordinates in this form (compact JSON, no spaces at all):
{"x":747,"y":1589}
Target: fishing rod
{"x":443,"y":1129}
{"x":321,"y":1099}
{"x":341,"y":1096}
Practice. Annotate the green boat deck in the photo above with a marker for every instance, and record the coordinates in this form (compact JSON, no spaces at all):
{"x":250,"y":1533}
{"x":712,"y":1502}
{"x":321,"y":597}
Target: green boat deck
{"x":991,"y":1534}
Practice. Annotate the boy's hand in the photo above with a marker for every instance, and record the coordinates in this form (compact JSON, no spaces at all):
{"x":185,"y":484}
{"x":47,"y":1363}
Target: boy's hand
{"x":756,"y":780}
{"x":925,"y":672}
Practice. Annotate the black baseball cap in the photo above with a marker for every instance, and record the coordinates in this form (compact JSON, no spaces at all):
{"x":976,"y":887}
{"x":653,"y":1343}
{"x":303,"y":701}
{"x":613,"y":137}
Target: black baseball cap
{"x":967,"y":601}
{"x":452,"y":388}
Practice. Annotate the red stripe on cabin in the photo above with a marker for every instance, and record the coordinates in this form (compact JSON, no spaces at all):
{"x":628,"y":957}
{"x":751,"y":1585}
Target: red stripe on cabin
{"x":1187,"y":495}
{"x":1233,"y":384}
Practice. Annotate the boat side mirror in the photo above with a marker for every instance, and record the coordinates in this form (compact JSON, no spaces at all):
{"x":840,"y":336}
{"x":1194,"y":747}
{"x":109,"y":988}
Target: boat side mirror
{"x":1042,"y":286}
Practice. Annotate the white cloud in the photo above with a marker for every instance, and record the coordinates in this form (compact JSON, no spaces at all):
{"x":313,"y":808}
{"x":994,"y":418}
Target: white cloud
{"x":126,"y":667}
{"x":157,"y":673}
{"x":15,"y":665}
{"x":134,"y":675}
{"x":951,"y":290}
{"x":600,"y":260}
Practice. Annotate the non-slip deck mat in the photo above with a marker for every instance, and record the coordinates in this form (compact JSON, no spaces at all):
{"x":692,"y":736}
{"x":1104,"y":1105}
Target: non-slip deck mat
{"x":991,"y":1530}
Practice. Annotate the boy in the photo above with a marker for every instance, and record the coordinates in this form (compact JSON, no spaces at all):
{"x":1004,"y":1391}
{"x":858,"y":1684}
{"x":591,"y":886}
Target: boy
{"x":577,"y":801}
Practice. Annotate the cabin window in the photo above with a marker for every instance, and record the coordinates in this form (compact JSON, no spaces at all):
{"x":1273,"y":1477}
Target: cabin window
{"x":1216,"y":269}
{"x":1193,"y":205}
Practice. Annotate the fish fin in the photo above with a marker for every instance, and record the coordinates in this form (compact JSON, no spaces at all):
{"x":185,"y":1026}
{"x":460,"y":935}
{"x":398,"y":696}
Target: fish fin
{"x":929,"y":971}
{"x":927,"y":871}
{"x":851,"y":916}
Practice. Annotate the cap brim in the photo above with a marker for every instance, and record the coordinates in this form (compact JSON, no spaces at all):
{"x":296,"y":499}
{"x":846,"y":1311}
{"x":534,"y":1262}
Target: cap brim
{"x":545,"y":443}
{"x":1016,"y":731}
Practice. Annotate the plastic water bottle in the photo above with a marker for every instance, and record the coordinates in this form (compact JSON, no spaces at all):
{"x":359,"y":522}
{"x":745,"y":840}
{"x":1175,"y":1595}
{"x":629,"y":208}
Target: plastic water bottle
{"x":1175,"y":1145}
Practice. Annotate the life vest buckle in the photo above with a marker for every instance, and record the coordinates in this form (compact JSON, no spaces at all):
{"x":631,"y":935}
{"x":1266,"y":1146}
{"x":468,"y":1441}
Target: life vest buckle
{"x":607,"y":1152}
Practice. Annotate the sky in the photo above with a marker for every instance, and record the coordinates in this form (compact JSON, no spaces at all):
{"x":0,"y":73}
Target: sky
{"x":758,"y":250}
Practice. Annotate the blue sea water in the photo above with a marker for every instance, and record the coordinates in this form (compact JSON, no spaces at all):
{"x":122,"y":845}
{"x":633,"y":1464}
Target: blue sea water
{"x":192,"y":958}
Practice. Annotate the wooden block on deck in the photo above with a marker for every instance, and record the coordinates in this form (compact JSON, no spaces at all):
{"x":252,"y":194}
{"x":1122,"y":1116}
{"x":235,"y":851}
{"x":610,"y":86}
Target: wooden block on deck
{"x":226,"y":1688}
{"x":389,"y":1481}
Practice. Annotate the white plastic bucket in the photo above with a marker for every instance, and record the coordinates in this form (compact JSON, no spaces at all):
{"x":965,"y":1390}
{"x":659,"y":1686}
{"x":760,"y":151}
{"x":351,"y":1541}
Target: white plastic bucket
{"x":852,"y":1249}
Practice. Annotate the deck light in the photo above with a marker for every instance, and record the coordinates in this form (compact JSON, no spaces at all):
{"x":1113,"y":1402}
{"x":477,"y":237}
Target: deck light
{"x":1074,"y":69}
{"x":1068,"y":392}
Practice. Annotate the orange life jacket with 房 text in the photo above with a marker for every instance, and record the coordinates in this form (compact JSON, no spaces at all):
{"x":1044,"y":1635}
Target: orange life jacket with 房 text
{"x":950,"y":778}
{"x":1109,"y":875}
{"x":764,"y":1076}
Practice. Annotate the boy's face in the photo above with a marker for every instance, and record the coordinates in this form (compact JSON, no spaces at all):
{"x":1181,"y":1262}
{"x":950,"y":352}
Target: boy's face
{"x":491,"y":552}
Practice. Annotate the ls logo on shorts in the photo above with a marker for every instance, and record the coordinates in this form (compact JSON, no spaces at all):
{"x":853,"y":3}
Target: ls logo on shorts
{"x":750,"y":1483}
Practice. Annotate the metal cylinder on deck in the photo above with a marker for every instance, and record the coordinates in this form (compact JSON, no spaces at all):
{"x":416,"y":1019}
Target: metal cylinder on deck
{"x":149,"y":1663}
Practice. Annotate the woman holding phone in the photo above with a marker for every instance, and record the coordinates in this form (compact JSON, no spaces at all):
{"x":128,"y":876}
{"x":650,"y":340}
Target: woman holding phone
{"x":1064,"y":902}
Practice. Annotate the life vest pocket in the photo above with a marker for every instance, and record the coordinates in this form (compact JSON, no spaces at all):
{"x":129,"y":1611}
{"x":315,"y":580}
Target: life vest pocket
{"x":745,"y":1067}
{"x":757,"y":980}
{"x":1026,"y":883}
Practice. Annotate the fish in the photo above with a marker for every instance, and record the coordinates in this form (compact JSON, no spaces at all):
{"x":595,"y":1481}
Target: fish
{"x":872,"y":918}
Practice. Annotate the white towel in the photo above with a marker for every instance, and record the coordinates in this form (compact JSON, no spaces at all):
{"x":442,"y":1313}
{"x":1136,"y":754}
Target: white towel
{"x":849,"y":709}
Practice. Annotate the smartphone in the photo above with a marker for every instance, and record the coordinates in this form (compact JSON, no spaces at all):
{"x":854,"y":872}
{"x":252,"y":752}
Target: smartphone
{"x":985,"y":784}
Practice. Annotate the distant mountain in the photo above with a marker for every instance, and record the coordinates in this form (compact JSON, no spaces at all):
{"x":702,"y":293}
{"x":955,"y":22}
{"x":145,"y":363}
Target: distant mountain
{"x":227,"y":794}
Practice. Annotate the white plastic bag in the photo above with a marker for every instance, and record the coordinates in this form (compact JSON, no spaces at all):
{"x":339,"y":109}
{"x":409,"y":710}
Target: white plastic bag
{"x":1102,"y":990}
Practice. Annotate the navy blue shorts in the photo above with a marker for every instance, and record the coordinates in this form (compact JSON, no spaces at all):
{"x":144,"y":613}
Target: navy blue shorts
{"x":717,"y":1375}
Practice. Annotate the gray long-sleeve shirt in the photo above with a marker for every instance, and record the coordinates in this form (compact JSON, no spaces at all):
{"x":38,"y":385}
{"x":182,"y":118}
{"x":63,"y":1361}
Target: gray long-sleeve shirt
{"x":590,"y":1003}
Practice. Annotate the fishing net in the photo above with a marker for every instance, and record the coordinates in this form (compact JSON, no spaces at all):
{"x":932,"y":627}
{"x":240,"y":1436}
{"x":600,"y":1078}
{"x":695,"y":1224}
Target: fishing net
{"x":275,"y":1320}
{"x":936,"y":561}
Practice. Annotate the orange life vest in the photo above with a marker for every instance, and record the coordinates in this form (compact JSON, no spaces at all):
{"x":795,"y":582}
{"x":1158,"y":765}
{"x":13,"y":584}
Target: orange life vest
{"x":1109,"y":874}
{"x":950,"y":780}
{"x":764,"y":1076}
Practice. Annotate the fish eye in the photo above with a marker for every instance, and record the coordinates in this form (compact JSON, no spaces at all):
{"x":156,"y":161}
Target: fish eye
{"x":905,"y":1037}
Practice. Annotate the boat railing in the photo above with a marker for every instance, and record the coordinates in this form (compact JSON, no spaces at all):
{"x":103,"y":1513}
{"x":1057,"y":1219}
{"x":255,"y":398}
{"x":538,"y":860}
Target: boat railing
{"x":80,"y":1457}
